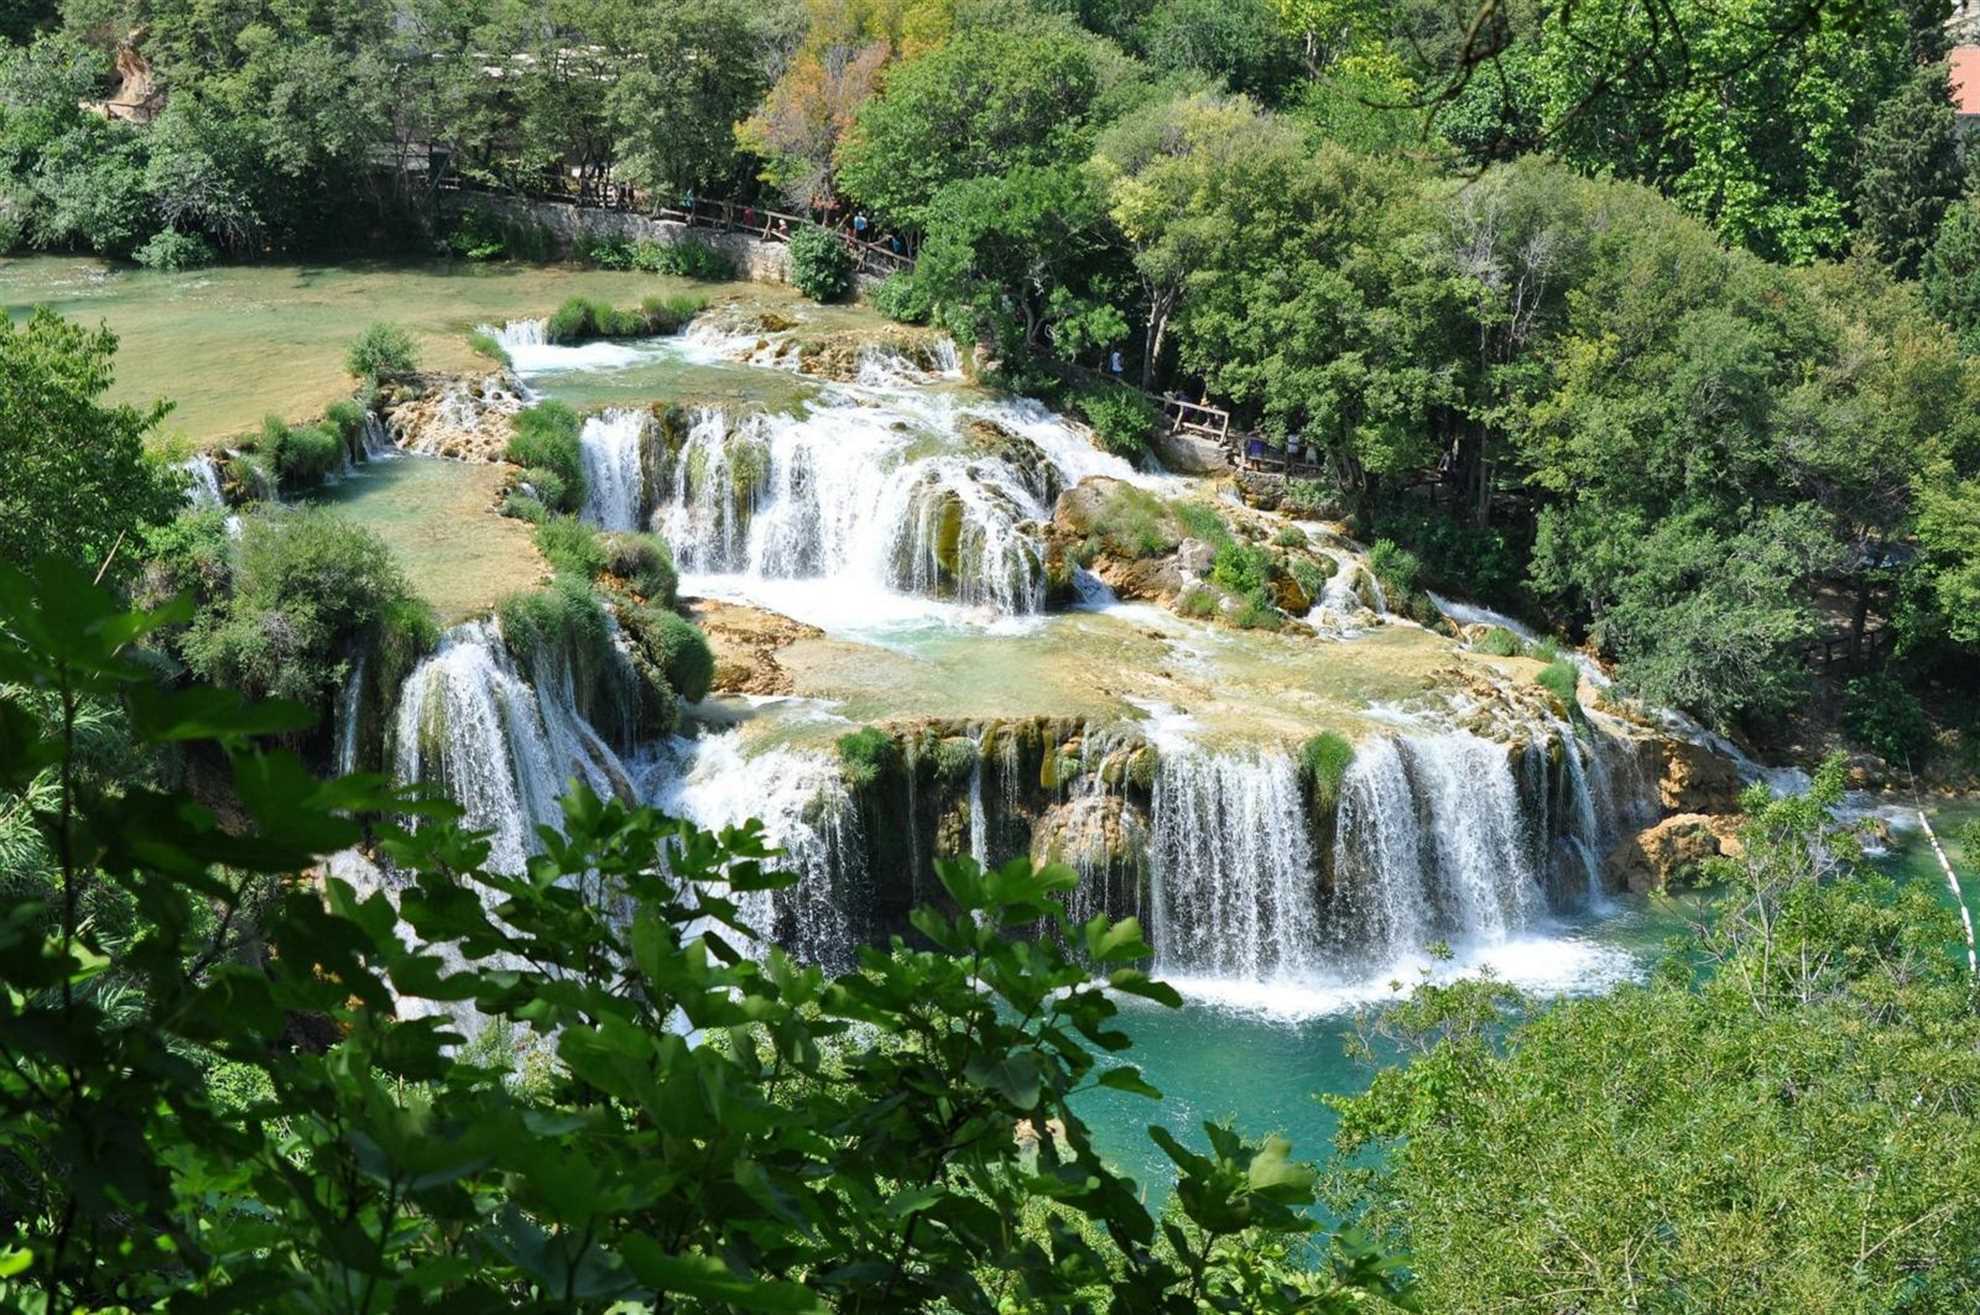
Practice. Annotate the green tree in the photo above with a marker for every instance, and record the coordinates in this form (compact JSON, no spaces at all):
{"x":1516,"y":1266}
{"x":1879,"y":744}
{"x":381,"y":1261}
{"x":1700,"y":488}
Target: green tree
{"x":986,"y":102}
{"x":1910,"y":171}
{"x":1950,"y":276}
{"x":1788,"y":1133}
{"x":682,"y":75}
{"x":78,"y":479}
{"x":1238,"y":42}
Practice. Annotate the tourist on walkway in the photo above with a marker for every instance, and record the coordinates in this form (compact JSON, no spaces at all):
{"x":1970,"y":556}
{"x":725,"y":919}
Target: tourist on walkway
{"x":1114,"y":363}
{"x":859,"y":226}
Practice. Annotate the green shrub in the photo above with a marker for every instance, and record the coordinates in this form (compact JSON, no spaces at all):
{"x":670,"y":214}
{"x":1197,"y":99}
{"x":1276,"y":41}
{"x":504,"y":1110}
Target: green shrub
{"x":1134,"y":523}
{"x":1500,"y":642}
{"x":1395,"y":567}
{"x":1884,"y":717}
{"x":1290,"y":536}
{"x":571,"y":547}
{"x":866,"y":755}
{"x":609,"y":252}
{"x":681,"y":651}
{"x":523,"y":507}
{"x":574,"y":320}
{"x":302,"y":456}
{"x":671,"y":314}
{"x":483,"y":235}
{"x":1544,"y":649}
{"x":381,"y":350}
{"x":544,"y":486}
{"x":1562,"y":679}
{"x":172,"y":250}
{"x":1124,"y":419}
{"x":1257,"y":611}
{"x":546,"y":438}
{"x":955,"y":759}
{"x":1309,"y":575}
{"x":643,"y":561}
{"x":1241,"y":567}
{"x":900,"y":299}
{"x":307,"y":584}
{"x":582,"y":318}
{"x":692,"y":258}
{"x":564,"y":617}
{"x":1202,"y":522}
{"x":1456,"y":557}
{"x":822,"y":265}
{"x":348,"y":418}
{"x":13,"y":231}
{"x":253,"y":473}
{"x":1323,"y":764}
{"x":483,"y":343}
{"x":1311,"y":498}
{"x":1201,"y":601}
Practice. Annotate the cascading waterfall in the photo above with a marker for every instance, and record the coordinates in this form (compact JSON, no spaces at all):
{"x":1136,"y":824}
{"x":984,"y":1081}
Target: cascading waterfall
{"x":350,"y":707}
{"x":609,"y":446}
{"x":1430,"y":843}
{"x":203,"y":484}
{"x":499,"y":745}
{"x":378,"y":444}
{"x":805,"y":810}
{"x":1234,"y":883}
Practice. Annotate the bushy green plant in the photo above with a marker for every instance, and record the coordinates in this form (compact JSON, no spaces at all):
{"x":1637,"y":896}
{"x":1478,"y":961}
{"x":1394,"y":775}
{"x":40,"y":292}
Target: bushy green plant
{"x":1257,"y":611}
{"x":1123,"y":419}
{"x":1201,"y":521}
{"x":580,"y":318}
{"x":544,"y":486}
{"x":564,"y":617}
{"x":479,"y":234}
{"x":1323,"y":764}
{"x":609,"y":251}
{"x":1886,"y":718}
{"x":1500,"y":642}
{"x":485,"y":344}
{"x":1544,"y":649}
{"x":171,"y":250}
{"x":308,"y":585}
{"x":822,"y":265}
{"x":1562,"y":679}
{"x":1311,"y":498}
{"x":571,"y":547}
{"x":380,"y":350}
{"x":670,"y":314}
{"x":1135,"y":523}
{"x":347,"y":417}
{"x":1201,"y":601}
{"x":1309,"y":575}
{"x":521,"y":506}
{"x":253,"y":475}
{"x":1290,"y":536}
{"x":1242,"y":568}
{"x":681,"y":651}
{"x":643,"y":561}
{"x":867,"y":755}
{"x":1394,"y":566}
{"x":693,"y":258}
{"x":545,"y":437}
{"x":302,"y":456}
{"x":900,"y":299}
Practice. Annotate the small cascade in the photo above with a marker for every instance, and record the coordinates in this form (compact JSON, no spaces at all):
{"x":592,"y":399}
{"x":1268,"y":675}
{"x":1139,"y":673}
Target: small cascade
{"x":1235,"y":889}
{"x":378,"y":444}
{"x":203,"y":483}
{"x":979,"y":817}
{"x":805,"y":810}
{"x":1430,"y":844}
{"x":609,"y":445}
{"x":350,"y":712}
{"x":501,"y":746}
{"x":1343,"y":609}
{"x":1471,"y":614}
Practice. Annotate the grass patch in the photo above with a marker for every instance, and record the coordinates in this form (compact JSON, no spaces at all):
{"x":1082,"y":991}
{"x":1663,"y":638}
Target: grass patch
{"x":1500,"y":642}
{"x":1310,"y":576}
{"x":1290,"y":536}
{"x":583,"y":318}
{"x":571,"y":547}
{"x":1201,"y":522}
{"x":485,"y":344}
{"x":866,"y":755}
{"x":1135,"y":523}
{"x":1242,"y":568}
{"x":1562,"y":679}
{"x":1257,"y":611}
{"x":546,"y":438}
{"x":1323,"y":763}
{"x":1396,"y":567}
{"x":643,"y":561}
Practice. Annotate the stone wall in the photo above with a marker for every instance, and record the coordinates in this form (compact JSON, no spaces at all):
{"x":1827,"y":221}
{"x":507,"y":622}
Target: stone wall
{"x":760,"y":261}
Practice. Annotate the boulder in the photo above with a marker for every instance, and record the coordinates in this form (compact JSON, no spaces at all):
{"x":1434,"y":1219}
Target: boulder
{"x":745,"y":642}
{"x":1671,"y":855}
{"x":1195,"y":557}
{"x":1188,"y":454}
{"x":1696,"y":780}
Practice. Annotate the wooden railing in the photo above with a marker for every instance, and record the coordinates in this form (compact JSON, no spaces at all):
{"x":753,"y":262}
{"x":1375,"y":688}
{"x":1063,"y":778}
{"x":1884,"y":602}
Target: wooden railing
{"x":1846,"y":653}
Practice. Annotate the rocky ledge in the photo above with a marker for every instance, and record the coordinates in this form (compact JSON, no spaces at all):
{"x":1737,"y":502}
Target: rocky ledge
{"x":746,"y":641}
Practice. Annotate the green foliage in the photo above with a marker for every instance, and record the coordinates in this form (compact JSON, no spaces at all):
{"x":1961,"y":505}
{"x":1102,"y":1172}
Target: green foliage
{"x":581,"y":318}
{"x":347,"y":418}
{"x":867,"y":756}
{"x":562,"y":620}
{"x":546,"y":438}
{"x":1323,"y":763}
{"x":1290,"y":536}
{"x":1910,"y":172}
{"x":308,"y":587}
{"x":545,"y":487}
{"x":1395,"y":567}
{"x":1825,"y":987}
{"x":486,"y":345}
{"x":1242,"y":568}
{"x":900,"y":299}
{"x":482,"y":234}
{"x":303,"y":456}
{"x":1950,"y":278}
{"x":571,"y":547}
{"x":1258,"y":611}
{"x":1562,"y":679}
{"x":381,"y":350}
{"x":1880,"y":714}
{"x":822,"y":265}
{"x":1135,"y":523}
{"x":1200,"y":601}
{"x":1500,"y":642}
{"x":1201,"y":521}
{"x":1124,"y":419}
{"x":680,"y":650}
{"x":1310,"y":498}
{"x":77,"y":478}
{"x":643,"y":561}
{"x":1311,"y":577}
{"x":171,"y":250}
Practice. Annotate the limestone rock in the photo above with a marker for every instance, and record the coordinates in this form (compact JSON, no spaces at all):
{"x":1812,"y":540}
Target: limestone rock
{"x":1187,"y":454}
{"x":1696,"y":780}
{"x":745,"y":641}
{"x":1671,"y":855}
{"x":462,"y":417}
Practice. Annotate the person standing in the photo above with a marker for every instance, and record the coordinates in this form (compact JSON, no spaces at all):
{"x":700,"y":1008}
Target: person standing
{"x":859,"y":226}
{"x":1114,"y":363}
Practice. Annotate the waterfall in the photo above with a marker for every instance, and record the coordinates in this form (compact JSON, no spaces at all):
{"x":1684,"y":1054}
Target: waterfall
{"x":1471,"y":614}
{"x":203,"y":483}
{"x":979,"y":817}
{"x":1235,"y":887}
{"x":805,"y":810}
{"x":609,"y":445}
{"x":1430,"y":843}
{"x":499,"y":746}
{"x":378,"y":444}
{"x":350,"y":709}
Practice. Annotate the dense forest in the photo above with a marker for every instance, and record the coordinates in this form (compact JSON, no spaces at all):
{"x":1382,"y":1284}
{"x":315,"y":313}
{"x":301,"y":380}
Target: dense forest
{"x":1654,"y":325}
